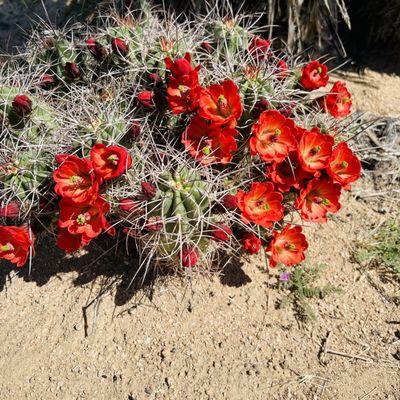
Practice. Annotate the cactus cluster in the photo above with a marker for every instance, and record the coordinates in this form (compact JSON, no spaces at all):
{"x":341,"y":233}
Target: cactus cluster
{"x":189,"y":138}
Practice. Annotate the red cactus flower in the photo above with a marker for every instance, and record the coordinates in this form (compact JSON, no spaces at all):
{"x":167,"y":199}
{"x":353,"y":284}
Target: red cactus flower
{"x":72,"y":71}
{"x":229,"y":201}
{"x":110,"y":161}
{"x":259,"y":48}
{"x":190,"y":256}
{"x":10,"y":210}
{"x":149,"y":190}
{"x":338,"y":101}
{"x":221,"y":104}
{"x":220,"y":232}
{"x":146,"y":98}
{"x":314,"y":76}
{"x":287,"y":246}
{"x":119,"y":47}
{"x":273,"y":136}
{"x":319,"y":197}
{"x":182,"y":98}
{"x":287,"y":173}
{"x":261,"y":204}
{"x":154,"y":224}
{"x":181,"y":67}
{"x":314,"y":150}
{"x":127,"y":205}
{"x":344,"y":167}
{"x":251,"y":243}
{"x":208,"y":144}
{"x":46,"y":81}
{"x":22,"y":104}
{"x":76,"y":180}
{"x":15,"y":244}
{"x":80,"y":223}
{"x":96,"y":49}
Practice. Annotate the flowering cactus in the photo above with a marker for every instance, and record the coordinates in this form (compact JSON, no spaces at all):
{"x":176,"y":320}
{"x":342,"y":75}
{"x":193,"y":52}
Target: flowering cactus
{"x":207,"y":141}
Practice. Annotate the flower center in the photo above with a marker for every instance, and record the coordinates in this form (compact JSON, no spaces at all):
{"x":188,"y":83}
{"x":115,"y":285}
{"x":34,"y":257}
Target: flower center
{"x":206,"y":150}
{"x":76,"y":180}
{"x":113,"y":159}
{"x":183,"y":89}
{"x":277,"y":132}
{"x":345,"y":100}
{"x":319,"y":70}
{"x":6,"y":247}
{"x":290,"y":246}
{"x":315,"y":150}
{"x":82,"y":218}
{"x":344,"y":164}
{"x":223,"y":105}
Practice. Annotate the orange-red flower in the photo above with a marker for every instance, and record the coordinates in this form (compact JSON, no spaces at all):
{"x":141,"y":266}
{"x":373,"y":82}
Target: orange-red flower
{"x":261,"y":204}
{"x":209,"y":144}
{"x":314,"y":150}
{"x":110,"y":161}
{"x":338,"y":101}
{"x":259,"y":48}
{"x":344,"y":166}
{"x":251,"y":243}
{"x":181,"y":67}
{"x":273,"y":136}
{"x":80,"y":223}
{"x":287,"y":246}
{"x":75,"y":179}
{"x":15,"y":244}
{"x":314,"y":76}
{"x":287,"y":173}
{"x":317,"y":199}
{"x":221,"y":104}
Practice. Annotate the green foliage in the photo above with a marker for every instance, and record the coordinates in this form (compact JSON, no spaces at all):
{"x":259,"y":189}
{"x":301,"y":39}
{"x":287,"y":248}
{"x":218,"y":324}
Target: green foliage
{"x":383,"y":250}
{"x":301,"y":289}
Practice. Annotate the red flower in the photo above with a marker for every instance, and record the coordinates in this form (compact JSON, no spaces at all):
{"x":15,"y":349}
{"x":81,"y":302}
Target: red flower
{"x":259,"y":48}
{"x":189,"y":256}
{"x":182,"y":98}
{"x":261,"y":205}
{"x":15,"y":243}
{"x":314,"y":76}
{"x":317,"y":199}
{"x":80,"y":223}
{"x":209,"y":144}
{"x":287,"y":246}
{"x":119,"y":47}
{"x":344,"y":166}
{"x":273,"y":136}
{"x":146,"y":98}
{"x":314,"y":150}
{"x":72,"y":70}
{"x":76,"y":180}
{"x":10,"y":210}
{"x":338,"y":101}
{"x":22,"y":104}
{"x":251,"y":243}
{"x":287,"y":173}
{"x":110,"y":161}
{"x":127,"y":205}
{"x":221,"y":232}
{"x":221,"y":104}
{"x":181,"y":67}
{"x":96,"y":49}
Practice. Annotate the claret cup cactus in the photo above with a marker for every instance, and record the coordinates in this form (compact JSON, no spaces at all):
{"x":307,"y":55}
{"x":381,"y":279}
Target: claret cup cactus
{"x":190,"y":139}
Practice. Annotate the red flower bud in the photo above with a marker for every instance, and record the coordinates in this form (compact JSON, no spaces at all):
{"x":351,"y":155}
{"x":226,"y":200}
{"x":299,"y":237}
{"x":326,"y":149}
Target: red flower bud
{"x":259,"y":107}
{"x":221,"y":233}
{"x":155,"y":78}
{"x":229,"y":201}
{"x":72,"y":71}
{"x":206,"y":46}
{"x":119,"y":47}
{"x":154,"y":224}
{"x":46,"y":81}
{"x":96,"y":49}
{"x":127,"y":205}
{"x":10,"y":210}
{"x":251,"y":243}
{"x":134,"y":130}
{"x":22,"y":104}
{"x":148,"y":190}
{"x":189,"y":256}
{"x":146,"y":98}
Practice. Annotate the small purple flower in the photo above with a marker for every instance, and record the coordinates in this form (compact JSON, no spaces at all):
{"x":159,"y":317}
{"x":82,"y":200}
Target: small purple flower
{"x":285,"y":277}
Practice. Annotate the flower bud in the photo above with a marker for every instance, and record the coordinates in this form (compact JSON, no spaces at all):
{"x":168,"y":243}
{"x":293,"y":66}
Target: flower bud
{"x":221,"y":233}
{"x":46,"y":81}
{"x":10,"y":210}
{"x":22,"y":104}
{"x":251,"y":243}
{"x":229,"y":201}
{"x":72,"y":71}
{"x":260,"y":106}
{"x":134,"y":130}
{"x":127,"y":205}
{"x":96,"y":49}
{"x":148,"y":190}
{"x":146,"y":98}
{"x":206,"y":46}
{"x":119,"y":47}
{"x":154,"y":224}
{"x":155,"y":78}
{"x":189,"y":256}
